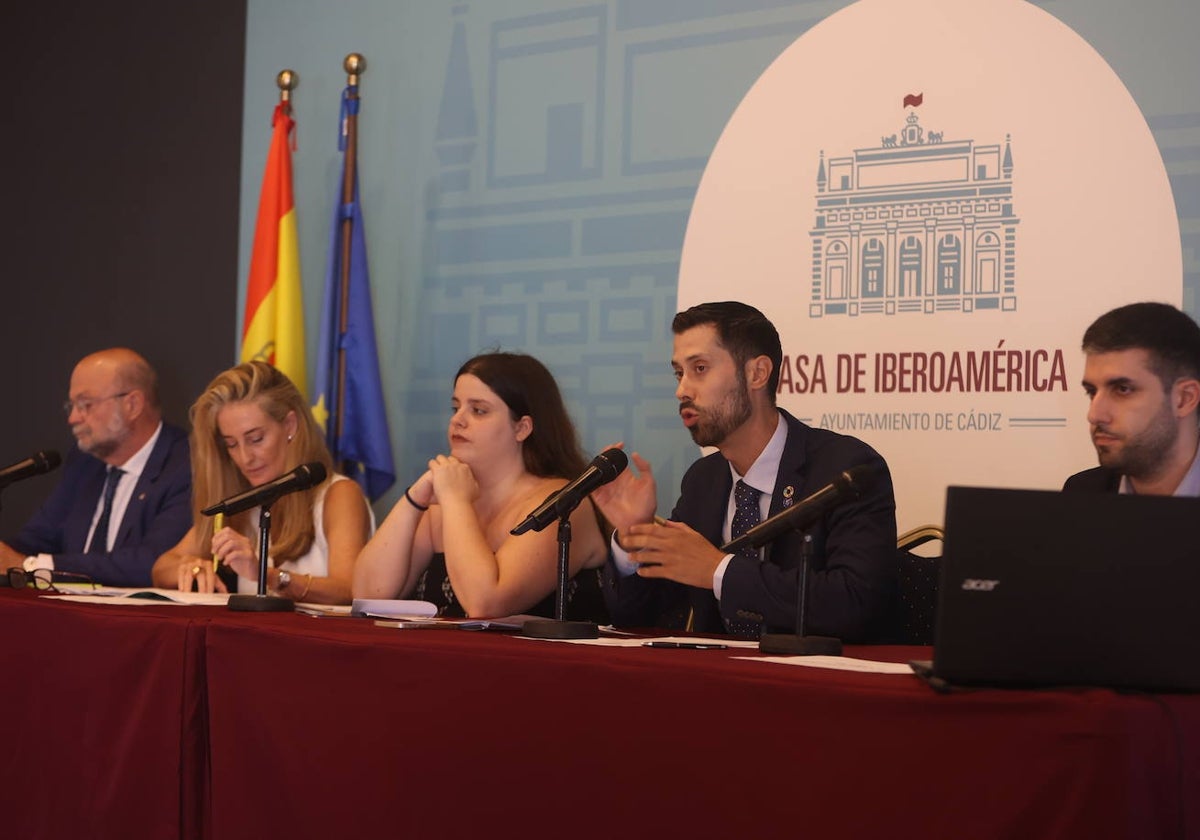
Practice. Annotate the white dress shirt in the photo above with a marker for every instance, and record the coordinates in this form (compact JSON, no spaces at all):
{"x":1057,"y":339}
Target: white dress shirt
{"x":131,"y":471}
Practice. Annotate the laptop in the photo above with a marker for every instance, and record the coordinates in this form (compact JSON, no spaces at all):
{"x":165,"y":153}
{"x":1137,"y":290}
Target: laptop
{"x":1056,"y":589}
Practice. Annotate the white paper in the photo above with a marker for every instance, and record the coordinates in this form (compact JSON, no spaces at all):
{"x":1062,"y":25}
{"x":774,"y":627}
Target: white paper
{"x":392,"y":608}
{"x":836,"y":663}
{"x":508,"y":622}
{"x":117,"y":595}
{"x":641,"y":641}
{"x":322,"y":609}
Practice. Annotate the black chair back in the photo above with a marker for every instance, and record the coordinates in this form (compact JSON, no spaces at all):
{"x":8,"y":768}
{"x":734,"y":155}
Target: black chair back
{"x":917,"y":587}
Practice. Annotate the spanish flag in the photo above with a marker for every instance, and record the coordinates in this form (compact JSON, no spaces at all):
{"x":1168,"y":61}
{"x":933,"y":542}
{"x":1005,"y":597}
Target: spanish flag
{"x":274,"y":326}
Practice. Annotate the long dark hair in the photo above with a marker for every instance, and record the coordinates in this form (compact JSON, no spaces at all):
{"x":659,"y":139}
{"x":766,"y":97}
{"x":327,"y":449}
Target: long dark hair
{"x":529,"y":390}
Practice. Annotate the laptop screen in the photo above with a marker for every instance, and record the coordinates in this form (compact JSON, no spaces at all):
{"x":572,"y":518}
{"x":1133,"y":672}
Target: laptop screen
{"x":1049,"y":588}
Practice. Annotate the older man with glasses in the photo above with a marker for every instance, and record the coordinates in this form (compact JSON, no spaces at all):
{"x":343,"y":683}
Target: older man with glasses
{"x":125,"y":493}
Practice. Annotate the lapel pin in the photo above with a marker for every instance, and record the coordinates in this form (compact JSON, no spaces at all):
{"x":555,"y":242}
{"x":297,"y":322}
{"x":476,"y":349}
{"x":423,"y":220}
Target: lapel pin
{"x":788,"y":493}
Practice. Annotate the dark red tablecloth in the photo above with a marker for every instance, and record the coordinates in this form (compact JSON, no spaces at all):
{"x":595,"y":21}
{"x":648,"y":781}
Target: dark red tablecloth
{"x":324,"y":727}
{"x":104,"y":720}
{"x":333,"y":727}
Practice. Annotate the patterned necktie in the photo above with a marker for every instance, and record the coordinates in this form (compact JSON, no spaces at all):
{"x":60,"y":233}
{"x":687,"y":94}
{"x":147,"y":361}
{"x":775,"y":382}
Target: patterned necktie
{"x":100,"y":535}
{"x":745,"y":516}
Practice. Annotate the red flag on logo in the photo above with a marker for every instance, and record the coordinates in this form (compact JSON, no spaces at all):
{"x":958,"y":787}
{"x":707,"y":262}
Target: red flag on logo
{"x":913,"y":99}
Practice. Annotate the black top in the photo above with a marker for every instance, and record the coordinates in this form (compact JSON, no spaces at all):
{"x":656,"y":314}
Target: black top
{"x":584,"y":599}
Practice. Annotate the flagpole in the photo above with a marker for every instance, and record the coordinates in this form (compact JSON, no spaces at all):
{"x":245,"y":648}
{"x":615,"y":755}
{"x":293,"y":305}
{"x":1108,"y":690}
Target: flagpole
{"x":350,"y":406}
{"x":354,"y":65}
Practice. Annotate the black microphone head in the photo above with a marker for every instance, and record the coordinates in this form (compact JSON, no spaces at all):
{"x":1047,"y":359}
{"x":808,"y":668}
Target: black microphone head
{"x":38,"y":463}
{"x":301,"y":478}
{"x":310,"y":474}
{"x":858,"y":479}
{"x":611,"y":463}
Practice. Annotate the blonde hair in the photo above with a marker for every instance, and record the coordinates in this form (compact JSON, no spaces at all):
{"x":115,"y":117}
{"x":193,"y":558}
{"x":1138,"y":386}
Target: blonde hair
{"x":215,"y":476}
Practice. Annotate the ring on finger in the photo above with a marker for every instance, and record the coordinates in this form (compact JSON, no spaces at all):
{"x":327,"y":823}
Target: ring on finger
{"x":195,"y":570}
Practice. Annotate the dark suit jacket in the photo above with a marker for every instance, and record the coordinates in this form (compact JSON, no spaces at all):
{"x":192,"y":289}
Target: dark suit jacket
{"x":159,"y":514}
{"x":851,"y":584}
{"x":1095,"y":480}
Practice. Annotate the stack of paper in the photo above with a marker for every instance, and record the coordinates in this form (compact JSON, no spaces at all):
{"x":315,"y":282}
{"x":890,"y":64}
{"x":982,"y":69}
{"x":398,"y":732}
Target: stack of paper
{"x":117,"y":595}
{"x":392,"y":608}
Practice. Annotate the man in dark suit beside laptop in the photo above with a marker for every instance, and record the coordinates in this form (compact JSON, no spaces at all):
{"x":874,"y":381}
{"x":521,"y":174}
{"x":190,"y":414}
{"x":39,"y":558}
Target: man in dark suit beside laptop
{"x":125,"y":494}
{"x":671,"y":574}
{"x":1142,"y":378}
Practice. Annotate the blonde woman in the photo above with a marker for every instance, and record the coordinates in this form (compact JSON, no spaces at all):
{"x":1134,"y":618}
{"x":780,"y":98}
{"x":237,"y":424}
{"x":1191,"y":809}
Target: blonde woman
{"x":250,"y":426}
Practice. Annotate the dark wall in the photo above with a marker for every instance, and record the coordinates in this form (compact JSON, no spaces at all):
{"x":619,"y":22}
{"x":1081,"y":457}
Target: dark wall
{"x":121,"y":151}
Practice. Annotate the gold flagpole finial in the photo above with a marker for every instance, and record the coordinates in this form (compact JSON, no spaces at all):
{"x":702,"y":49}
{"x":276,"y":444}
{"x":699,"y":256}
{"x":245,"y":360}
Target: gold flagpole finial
{"x":286,"y":81}
{"x":354,"y":65}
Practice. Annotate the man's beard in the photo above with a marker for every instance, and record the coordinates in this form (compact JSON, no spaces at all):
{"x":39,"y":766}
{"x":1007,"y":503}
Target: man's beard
{"x":1144,"y":454}
{"x":114,"y":434}
{"x":714,"y":425}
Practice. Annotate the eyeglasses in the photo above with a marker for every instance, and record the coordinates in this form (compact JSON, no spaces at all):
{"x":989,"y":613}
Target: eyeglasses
{"x":88,"y":403}
{"x":43,"y":579}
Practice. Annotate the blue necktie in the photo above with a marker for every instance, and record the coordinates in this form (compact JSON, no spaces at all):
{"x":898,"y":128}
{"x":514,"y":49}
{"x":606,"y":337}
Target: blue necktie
{"x":100,"y":535}
{"x":745,"y":516}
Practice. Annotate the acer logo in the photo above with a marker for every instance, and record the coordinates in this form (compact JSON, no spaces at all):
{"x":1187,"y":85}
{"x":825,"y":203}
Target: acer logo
{"x":978,"y":585}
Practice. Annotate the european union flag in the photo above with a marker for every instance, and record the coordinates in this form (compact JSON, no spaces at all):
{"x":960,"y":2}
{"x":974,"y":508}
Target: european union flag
{"x":349,"y":403}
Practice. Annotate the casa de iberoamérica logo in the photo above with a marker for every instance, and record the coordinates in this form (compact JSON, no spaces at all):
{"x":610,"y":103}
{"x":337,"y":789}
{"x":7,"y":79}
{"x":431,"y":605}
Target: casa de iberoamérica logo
{"x":918,"y":224}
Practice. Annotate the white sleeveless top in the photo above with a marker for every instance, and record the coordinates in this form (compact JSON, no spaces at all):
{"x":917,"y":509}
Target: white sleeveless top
{"x":316,"y":561}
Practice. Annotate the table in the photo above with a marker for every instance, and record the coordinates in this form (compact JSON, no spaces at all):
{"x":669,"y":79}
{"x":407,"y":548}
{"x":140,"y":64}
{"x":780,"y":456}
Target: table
{"x":361,"y":731}
{"x":105,"y":720}
{"x":172,"y":722}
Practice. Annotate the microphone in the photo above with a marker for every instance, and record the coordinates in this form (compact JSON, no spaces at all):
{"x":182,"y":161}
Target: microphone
{"x":604,"y":468}
{"x":849,"y":484}
{"x":38,"y":463}
{"x":301,"y":478}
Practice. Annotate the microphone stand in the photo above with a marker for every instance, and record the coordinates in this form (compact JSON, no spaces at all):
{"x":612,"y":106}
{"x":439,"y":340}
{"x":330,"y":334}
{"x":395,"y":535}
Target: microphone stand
{"x":262,"y":602}
{"x":559,"y":627}
{"x":785,"y":644}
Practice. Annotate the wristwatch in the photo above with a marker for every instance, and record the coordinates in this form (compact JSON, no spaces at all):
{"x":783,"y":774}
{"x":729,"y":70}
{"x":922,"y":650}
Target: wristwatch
{"x":285,"y":580}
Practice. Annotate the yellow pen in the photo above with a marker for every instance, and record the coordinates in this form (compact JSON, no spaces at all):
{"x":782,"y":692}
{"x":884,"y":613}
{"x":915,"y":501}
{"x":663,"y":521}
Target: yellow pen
{"x":218,"y":524}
